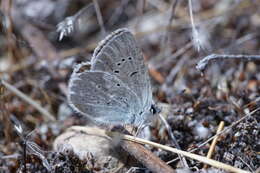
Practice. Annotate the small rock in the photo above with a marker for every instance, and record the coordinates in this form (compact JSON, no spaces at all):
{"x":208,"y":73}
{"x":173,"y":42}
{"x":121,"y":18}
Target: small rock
{"x":86,"y":141}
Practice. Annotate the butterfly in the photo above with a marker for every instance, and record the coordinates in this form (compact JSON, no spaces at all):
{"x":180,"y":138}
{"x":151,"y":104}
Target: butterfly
{"x":114,"y":88}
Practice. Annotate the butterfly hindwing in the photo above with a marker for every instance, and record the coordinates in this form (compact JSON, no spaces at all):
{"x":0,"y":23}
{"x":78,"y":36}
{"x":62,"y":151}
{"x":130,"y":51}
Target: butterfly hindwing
{"x":102,"y":96}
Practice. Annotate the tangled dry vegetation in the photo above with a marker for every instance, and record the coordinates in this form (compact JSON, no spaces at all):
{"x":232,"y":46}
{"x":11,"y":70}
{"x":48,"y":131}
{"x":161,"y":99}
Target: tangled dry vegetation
{"x":41,"y":41}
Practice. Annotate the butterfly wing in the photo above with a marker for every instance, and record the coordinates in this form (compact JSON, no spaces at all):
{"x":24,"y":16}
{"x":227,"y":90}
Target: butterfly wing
{"x":119,"y":55}
{"x":102,"y":97}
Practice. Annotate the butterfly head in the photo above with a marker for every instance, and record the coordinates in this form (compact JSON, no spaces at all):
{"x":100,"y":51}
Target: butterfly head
{"x":147,"y":116}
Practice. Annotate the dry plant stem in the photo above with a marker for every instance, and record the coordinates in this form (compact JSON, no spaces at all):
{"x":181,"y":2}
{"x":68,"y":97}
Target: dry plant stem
{"x":223,"y":131}
{"x":165,"y":44}
{"x":159,"y":5}
{"x":174,"y":71}
{"x":40,"y":45}
{"x":171,"y":59}
{"x":194,"y":29}
{"x":169,"y":81}
{"x":214,"y":142}
{"x":47,"y":115}
{"x":247,"y":165}
{"x":202,"y":64}
{"x":118,"y":11}
{"x":6,"y":8}
{"x":4,"y":115}
{"x":156,"y":75}
{"x":146,"y":157}
{"x":207,"y":15}
{"x":72,"y":23}
{"x":84,"y":12}
{"x":38,"y":42}
{"x":7,"y":124}
{"x":185,"y":153}
{"x":169,"y":129}
{"x":99,"y":17}
{"x":229,"y":127}
{"x":12,"y":156}
{"x":12,"y":51}
{"x":191,"y":15}
{"x":140,"y":6}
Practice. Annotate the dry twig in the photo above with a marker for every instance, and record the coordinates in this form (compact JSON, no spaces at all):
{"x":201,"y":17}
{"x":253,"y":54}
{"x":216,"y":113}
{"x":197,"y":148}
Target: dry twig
{"x":214,"y":142}
{"x":5,"y":115}
{"x":71,"y":23}
{"x":146,"y":157}
{"x":185,"y":153}
{"x":99,"y":17}
{"x":139,"y":152}
{"x":174,"y":141}
{"x":202,"y":64}
{"x":228,"y":128}
{"x":222,"y":132}
{"x":165,"y":43}
{"x":27,"y":99}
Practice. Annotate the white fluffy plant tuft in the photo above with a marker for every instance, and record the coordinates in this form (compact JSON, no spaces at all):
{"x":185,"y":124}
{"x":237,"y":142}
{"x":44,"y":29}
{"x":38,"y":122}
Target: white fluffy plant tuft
{"x":200,"y":36}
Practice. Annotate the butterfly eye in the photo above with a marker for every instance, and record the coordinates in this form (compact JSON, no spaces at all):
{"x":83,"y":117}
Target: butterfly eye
{"x":154,"y":110}
{"x":129,"y":58}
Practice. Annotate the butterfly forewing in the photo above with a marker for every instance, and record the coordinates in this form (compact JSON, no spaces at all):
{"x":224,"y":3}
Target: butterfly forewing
{"x":119,"y":55}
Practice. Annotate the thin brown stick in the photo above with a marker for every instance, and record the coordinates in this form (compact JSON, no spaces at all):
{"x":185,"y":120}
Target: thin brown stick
{"x":156,"y":75}
{"x":169,"y":60}
{"x":229,"y":127}
{"x":10,"y":30}
{"x":165,"y":43}
{"x":30,"y":101}
{"x":118,"y":11}
{"x":159,"y":5}
{"x":4,"y":115}
{"x":222,"y":132}
{"x":174,"y":71}
{"x":12,"y":51}
{"x":146,"y":157}
{"x":250,"y":168}
{"x":140,"y":6}
{"x":140,"y":153}
{"x":214,"y":142}
{"x":174,"y":141}
{"x":202,"y":159}
{"x":42,"y":47}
